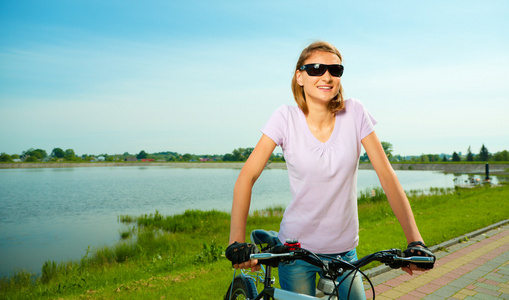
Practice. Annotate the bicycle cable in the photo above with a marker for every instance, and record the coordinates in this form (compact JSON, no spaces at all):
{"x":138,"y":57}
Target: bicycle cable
{"x":354,"y":270}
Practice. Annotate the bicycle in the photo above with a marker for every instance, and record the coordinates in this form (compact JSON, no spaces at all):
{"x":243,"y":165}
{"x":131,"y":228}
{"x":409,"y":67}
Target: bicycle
{"x":243,"y":286}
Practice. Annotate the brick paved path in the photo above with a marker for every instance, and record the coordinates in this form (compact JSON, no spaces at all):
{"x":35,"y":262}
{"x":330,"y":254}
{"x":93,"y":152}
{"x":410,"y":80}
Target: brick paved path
{"x":477,"y":269}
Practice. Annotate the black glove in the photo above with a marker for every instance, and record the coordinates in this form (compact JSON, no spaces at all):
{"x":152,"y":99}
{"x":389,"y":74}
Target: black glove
{"x":414,"y":250}
{"x":239,"y":252}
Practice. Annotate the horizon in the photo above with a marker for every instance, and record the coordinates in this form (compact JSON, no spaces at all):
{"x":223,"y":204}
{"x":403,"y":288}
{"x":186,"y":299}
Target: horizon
{"x":460,"y":153}
{"x":201,"y":77}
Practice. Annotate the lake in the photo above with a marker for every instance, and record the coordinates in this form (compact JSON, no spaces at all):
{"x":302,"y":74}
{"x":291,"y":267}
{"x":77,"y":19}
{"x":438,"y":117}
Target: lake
{"x":56,"y":213}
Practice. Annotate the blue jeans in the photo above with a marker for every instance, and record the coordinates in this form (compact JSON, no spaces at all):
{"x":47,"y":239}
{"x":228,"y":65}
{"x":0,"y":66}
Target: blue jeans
{"x":300,"y":276}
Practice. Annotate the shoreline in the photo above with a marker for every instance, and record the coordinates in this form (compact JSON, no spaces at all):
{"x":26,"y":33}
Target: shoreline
{"x":442,"y":167}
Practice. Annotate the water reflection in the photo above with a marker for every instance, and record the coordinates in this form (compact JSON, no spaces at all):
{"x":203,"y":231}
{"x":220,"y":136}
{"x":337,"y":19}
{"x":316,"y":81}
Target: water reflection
{"x":471,"y":180}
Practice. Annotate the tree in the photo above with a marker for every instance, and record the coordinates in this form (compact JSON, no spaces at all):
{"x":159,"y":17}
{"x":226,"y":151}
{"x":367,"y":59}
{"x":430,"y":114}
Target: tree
{"x":398,"y":158}
{"x":37,"y":153}
{"x":87,"y":157}
{"x":186,"y":157}
{"x":228,"y":157}
{"x":501,"y":156}
{"x":109,"y":158}
{"x":4,"y":157}
{"x":364,"y":157}
{"x":70,"y":155}
{"x":444,"y":158}
{"x":247,"y":152}
{"x":433,"y":157}
{"x":456,"y":157}
{"x":142,"y":155}
{"x":484,"y":155}
{"x":239,"y":154}
{"x":274,"y":158}
{"x":58,"y":153}
{"x":387,"y":149}
{"x":470,"y":155}
{"x":31,"y":159}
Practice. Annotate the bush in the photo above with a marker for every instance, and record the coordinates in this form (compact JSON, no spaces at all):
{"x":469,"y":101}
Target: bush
{"x":5,"y":157}
{"x":31,"y":159}
{"x":372,"y":195}
{"x":210,"y":253}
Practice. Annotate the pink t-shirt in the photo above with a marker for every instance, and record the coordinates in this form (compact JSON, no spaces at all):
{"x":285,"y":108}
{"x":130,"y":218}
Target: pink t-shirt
{"x":323,"y":177}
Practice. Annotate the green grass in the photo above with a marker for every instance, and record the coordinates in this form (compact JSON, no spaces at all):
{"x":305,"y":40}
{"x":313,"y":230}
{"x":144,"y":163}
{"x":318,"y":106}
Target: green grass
{"x":179,"y":257}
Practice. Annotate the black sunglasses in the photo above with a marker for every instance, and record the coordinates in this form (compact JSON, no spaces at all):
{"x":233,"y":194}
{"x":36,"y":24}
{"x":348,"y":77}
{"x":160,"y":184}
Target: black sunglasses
{"x":319,"y":69}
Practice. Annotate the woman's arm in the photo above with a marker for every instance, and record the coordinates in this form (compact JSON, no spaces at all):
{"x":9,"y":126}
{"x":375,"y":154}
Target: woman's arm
{"x":243,"y":187}
{"x":242,"y":191}
{"x":395,"y":193}
{"x":390,"y":183}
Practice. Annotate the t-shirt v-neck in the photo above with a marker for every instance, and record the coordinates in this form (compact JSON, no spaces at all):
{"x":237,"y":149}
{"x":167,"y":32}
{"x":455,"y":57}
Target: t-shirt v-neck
{"x":312,"y":137}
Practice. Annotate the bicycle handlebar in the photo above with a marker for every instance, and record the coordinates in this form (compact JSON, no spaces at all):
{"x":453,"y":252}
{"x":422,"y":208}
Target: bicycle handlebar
{"x":386,"y":256}
{"x":417,"y":259}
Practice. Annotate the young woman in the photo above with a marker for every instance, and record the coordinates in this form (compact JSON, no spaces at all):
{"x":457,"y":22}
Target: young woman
{"x":321,"y":141}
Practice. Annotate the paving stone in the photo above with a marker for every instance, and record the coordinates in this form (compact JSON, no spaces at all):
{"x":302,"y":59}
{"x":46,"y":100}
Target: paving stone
{"x":417,"y":294}
{"x":468,"y":292}
{"x":446,"y":291}
{"x":408,"y":297}
{"x":459,"y":296}
{"x":433,"y":297}
{"x":428,"y":288}
{"x":488,"y":267}
{"x":487,"y":286}
{"x":504,"y":271}
{"x":474,"y":275}
{"x":392,"y":294}
{"x":489,"y":292}
{"x":491,"y":281}
{"x":462,"y":282}
{"x":405,"y":288}
{"x":495,"y":278}
{"x":484,"y":297}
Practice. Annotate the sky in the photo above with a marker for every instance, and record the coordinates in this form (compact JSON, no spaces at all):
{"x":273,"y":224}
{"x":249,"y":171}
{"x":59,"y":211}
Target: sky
{"x":202,"y":77}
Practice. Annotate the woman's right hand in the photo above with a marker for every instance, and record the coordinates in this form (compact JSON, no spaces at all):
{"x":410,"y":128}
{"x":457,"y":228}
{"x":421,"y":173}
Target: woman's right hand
{"x":239,"y":255}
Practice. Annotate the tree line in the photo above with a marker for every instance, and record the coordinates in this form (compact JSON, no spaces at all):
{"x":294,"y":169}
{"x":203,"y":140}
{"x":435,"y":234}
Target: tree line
{"x":483,"y":155}
{"x":69,"y":155}
{"x":237,"y":155}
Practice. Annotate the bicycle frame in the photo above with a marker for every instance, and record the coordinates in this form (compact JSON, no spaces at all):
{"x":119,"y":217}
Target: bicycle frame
{"x":270,"y":292}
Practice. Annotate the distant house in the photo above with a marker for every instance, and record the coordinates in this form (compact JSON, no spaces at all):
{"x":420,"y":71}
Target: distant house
{"x":131,"y":159}
{"x":205,"y":159}
{"x":147,"y":159}
{"x":100,"y":158}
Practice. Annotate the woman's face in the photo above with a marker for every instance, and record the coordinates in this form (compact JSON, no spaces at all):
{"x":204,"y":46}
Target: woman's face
{"x":320,"y":88}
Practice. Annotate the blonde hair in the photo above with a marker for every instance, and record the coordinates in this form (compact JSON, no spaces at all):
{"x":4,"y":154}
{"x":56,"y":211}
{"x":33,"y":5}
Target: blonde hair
{"x":337,"y":103}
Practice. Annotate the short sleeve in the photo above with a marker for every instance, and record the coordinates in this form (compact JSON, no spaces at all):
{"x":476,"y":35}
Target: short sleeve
{"x":365,"y":121}
{"x":276,"y":126}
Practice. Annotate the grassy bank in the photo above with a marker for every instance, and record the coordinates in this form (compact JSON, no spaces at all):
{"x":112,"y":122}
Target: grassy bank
{"x":181,"y":256}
